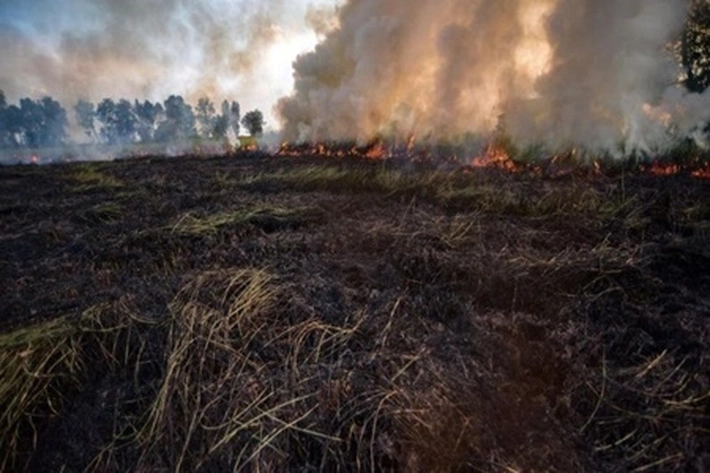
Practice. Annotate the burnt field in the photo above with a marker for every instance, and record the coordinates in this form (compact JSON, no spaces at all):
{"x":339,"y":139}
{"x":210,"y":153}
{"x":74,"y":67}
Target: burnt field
{"x":303,"y":314}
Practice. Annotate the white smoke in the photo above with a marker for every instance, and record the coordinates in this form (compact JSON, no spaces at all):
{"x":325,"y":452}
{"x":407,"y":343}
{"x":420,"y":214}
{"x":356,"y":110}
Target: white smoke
{"x":592,"y":73}
{"x":91,"y":49}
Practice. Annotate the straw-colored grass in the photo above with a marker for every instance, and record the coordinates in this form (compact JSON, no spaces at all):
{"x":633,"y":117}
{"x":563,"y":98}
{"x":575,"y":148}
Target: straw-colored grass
{"x":89,"y":177}
{"x":43,"y":364}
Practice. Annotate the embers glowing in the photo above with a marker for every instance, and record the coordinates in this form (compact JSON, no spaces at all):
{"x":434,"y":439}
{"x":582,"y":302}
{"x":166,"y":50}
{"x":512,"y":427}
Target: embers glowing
{"x":698,"y":171}
{"x":658,"y":169}
{"x":702,"y":173}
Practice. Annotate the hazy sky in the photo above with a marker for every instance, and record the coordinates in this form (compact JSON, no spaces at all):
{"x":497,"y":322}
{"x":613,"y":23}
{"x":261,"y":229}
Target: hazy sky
{"x":234,"y":49}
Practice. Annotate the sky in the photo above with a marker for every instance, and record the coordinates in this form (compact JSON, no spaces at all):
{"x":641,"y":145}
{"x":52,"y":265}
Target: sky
{"x":149,"y":49}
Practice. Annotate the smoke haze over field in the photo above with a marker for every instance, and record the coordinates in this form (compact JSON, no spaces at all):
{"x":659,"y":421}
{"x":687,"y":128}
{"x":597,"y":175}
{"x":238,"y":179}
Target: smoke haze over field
{"x":562,"y":72}
{"x":91,"y":49}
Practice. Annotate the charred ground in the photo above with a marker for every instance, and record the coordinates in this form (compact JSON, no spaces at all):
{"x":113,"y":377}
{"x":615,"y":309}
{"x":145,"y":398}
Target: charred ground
{"x":280,"y":314}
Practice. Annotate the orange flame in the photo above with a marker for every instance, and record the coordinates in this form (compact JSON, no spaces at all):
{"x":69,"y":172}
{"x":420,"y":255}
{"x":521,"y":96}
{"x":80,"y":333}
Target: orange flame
{"x":697,"y":171}
{"x":495,"y":157}
{"x":376,"y":152}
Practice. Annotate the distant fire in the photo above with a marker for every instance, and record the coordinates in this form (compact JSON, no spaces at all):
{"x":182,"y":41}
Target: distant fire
{"x":702,"y":173}
{"x":374,"y":151}
{"x":495,"y":157}
{"x":658,"y":169}
{"x":378,"y":151}
{"x":698,"y":171}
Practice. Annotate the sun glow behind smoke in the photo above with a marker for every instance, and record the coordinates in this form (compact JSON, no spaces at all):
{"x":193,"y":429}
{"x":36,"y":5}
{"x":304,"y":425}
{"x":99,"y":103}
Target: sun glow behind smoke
{"x":135,"y":49}
{"x":533,"y":57}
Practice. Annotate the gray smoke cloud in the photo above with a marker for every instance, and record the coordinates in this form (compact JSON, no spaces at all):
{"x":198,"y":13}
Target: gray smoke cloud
{"x":594,"y":73}
{"x":91,"y":49}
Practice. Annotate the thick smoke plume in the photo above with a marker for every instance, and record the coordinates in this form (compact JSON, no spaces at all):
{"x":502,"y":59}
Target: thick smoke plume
{"x":595,"y":73}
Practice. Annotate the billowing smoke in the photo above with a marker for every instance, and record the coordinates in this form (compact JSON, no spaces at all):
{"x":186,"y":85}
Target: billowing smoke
{"x":595,"y":73}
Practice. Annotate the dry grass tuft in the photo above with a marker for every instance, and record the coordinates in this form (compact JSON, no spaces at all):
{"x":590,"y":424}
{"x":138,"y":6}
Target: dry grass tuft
{"x":43,"y":365}
{"x":88,"y":178}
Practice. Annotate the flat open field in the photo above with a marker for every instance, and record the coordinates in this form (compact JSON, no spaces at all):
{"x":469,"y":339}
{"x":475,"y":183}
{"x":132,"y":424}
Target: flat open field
{"x":272,"y":314}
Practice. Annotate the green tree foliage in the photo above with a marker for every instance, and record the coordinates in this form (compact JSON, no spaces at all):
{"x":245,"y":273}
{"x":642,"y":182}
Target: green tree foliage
{"x":13,"y":136}
{"x":106,"y":113}
{"x":35,"y":124}
{"x":231,"y":114}
{"x":31,"y":120}
{"x":179,"y":123}
{"x":119,"y":123}
{"x":234,"y":116}
{"x":85,"y":115}
{"x":254,"y":122}
{"x":126,"y":122}
{"x":695,"y":47}
{"x":221,"y":127}
{"x":205,"y":117}
{"x":43,"y":123}
{"x":3,"y":120}
{"x":147,"y":116}
{"x":55,"y":123}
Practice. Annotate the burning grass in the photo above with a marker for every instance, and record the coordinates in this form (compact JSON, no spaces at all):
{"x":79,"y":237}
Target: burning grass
{"x":298,"y":315}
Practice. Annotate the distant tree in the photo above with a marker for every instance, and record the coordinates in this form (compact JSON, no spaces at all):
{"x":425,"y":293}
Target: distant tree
{"x":13,"y":127}
{"x":147,"y":115}
{"x":179,"y":123}
{"x":205,"y":116}
{"x":106,"y":114}
{"x":695,"y":47}
{"x":9,"y":118}
{"x":41,"y":123}
{"x":254,"y":122}
{"x":4,"y":132}
{"x":220,"y":127}
{"x":126,"y":122}
{"x":234,"y":116}
{"x":31,"y":122}
{"x":85,"y":115}
{"x":54,"y":123}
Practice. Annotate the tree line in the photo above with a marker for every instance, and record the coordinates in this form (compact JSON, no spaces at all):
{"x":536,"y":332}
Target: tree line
{"x":44,"y":123}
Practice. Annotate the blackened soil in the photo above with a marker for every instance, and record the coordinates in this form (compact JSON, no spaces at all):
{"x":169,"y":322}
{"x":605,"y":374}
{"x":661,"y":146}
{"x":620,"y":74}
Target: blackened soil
{"x":544,"y":302}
